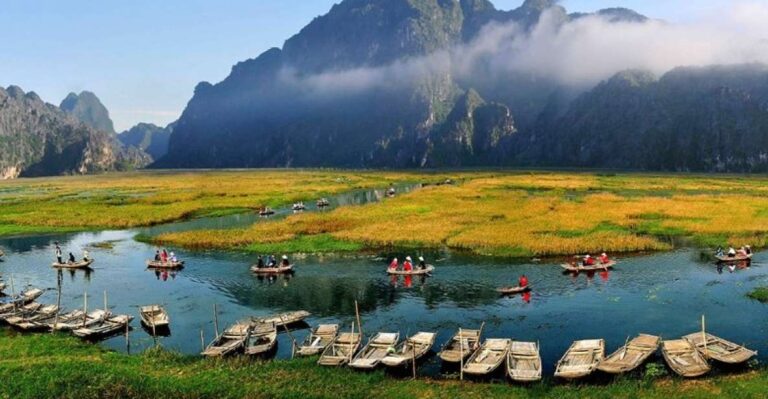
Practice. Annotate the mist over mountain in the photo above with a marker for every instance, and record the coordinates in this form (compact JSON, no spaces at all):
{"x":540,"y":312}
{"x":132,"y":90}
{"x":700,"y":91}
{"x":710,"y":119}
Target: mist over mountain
{"x":432,"y":83}
{"x":87,"y":108}
{"x":39,"y":139}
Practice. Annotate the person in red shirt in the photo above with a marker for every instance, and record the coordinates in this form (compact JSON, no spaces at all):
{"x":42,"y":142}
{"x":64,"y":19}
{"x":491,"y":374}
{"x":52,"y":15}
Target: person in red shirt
{"x":604,"y":258}
{"x":523,"y":282}
{"x":589,"y":260}
{"x":407,"y":266}
{"x":393,"y":265}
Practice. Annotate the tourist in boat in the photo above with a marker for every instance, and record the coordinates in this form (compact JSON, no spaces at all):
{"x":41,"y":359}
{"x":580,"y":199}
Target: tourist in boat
{"x":731,"y":252}
{"x":157,"y":255}
{"x":59,"y":255}
{"x":422,"y":263}
{"x":272,"y":261}
{"x":589,"y":260}
{"x":72,"y":258}
{"x":173,"y":257}
{"x":394,"y":264}
{"x":260,"y":262}
{"x":523,"y":281}
{"x":604,"y":258}
{"x":164,"y":256}
{"x":285,"y":262}
{"x":86,"y":255}
{"x":748,"y":250}
{"x":407,"y":265}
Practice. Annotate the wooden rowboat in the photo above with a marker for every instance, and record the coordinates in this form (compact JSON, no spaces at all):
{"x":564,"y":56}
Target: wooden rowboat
{"x":261,"y":339}
{"x":461,"y":346}
{"x":341,"y":351}
{"x":266,"y":212}
{"x":581,"y":268}
{"x":319,"y":339}
{"x":11,"y":310}
{"x":410,"y":350}
{"x":232,"y":340}
{"x":19,"y":300}
{"x":719,"y":349}
{"x":631,"y":355}
{"x":415,"y":272}
{"x":154,"y":316}
{"x":82,"y":320}
{"x":513,"y":290}
{"x":158,"y":264}
{"x":283,"y":319}
{"x":2,"y":286}
{"x":524,"y":362}
{"x":683,"y":358}
{"x":272,"y":270}
{"x":489,"y":357}
{"x":43,"y":324}
{"x":43,"y":312}
{"x":108,"y":326}
{"x":735,"y":258}
{"x":377,"y":349}
{"x":73,"y":265}
{"x":581,"y":359}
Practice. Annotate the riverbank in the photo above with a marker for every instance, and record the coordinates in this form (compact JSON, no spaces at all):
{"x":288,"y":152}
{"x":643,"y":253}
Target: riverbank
{"x":63,"y":367}
{"x":516,"y":214}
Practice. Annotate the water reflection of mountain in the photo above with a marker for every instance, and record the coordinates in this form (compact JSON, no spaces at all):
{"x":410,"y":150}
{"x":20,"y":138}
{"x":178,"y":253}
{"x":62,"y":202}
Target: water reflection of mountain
{"x":328,"y":296}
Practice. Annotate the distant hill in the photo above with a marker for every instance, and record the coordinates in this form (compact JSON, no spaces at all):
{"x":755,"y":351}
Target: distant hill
{"x":39,"y":139}
{"x":149,"y":138}
{"x":87,"y":108}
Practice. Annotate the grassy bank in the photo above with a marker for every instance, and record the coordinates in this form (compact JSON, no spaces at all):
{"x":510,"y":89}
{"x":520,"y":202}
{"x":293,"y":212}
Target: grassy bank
{"x":527,"y":214}
{"x":122,"y":200}
{"x":63,"y":367}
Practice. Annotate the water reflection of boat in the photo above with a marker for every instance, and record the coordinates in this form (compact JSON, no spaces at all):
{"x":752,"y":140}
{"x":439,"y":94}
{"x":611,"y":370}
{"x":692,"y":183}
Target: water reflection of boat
{"x":524,"y":362}
{"x":320,"y":337}
{"x":630,"y":356}
{"x":410,"y":350}
{"x":461,"y":346}
{"x":683,"y":358}
{"x":581,"y":359}
{"x":719,"y":349}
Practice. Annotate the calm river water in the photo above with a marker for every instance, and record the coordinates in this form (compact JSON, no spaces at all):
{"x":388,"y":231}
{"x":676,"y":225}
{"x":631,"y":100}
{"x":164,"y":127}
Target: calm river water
{"x":663,"y":294}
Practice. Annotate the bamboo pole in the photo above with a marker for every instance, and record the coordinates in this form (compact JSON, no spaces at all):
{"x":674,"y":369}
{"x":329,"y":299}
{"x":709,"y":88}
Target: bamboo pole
{"x":58,"y":303}
{"x":359,"y":322}
{"x":85,"y":307}
{"x":202,"y":341}
{"x":413,"y":356}
{"x":13,"y":293}
{"x":293,"y":340}
{"x":351,"y":343}
{"x":216,"y":320}
{"x":127,"y":338}
{"x":106,"y":308}
{"x":704,"y":336}
{"x":461,"y":355}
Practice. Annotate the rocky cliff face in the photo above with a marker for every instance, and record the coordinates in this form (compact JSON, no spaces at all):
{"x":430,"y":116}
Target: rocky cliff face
{"x":87,"y":108}
{"x":147,"y":137}
{"x":39,"y":139}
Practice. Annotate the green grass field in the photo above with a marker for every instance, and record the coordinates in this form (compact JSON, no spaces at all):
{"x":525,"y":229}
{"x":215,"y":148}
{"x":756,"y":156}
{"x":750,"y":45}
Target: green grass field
{"x":46,"y":366}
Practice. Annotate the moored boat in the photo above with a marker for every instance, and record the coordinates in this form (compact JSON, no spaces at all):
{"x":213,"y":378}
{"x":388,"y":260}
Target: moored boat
{"x":410,"y":350}
{"x":415,"y":272}
{"x":109,"y":325}
{"x":581,"y":359}
{"x":489,"y":357}
{"x":716,"y":348}
{"x":461,"y":346}
{"x":320,"y":337}
{"x":80,"y":320}
{"x":12,"y":309}
{"x":283,"y":319}
{"x":524,"y":362}
{"x":630,"y":356}
{"x":154,"y":316}
{"x":262,"y":338}
{"x":341,"y":351}
{"x":376,"y":350}
{"x":73,"y":265}
{"x":44,"y":324}
{"x":683,"y":358}
{"x":42,"y":312}
{"x":232,"y":340}
{"x":158,"y":264}
{"x":272,"y":270}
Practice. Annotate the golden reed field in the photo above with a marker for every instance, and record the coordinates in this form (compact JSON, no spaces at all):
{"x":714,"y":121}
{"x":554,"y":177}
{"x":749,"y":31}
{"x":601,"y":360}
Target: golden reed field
{"x":489,"y":212}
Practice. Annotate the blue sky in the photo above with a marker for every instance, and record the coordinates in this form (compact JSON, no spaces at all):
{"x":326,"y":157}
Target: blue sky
{"x":144,"y":57}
